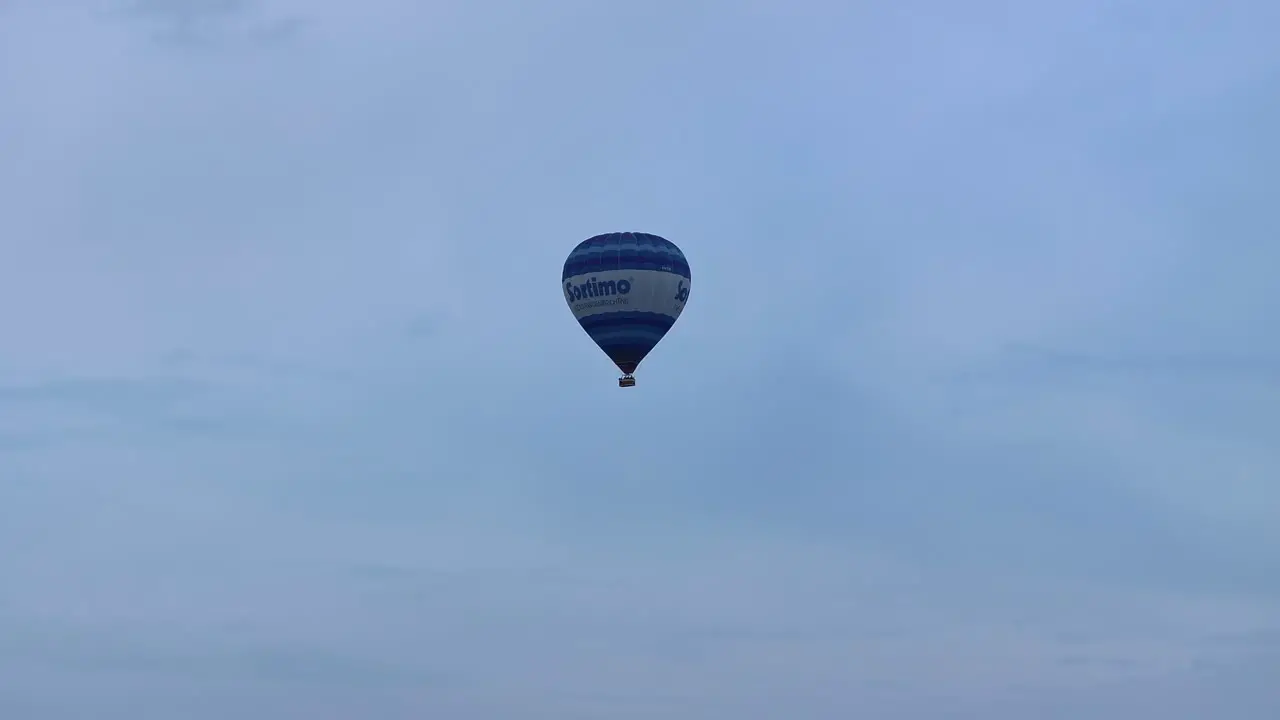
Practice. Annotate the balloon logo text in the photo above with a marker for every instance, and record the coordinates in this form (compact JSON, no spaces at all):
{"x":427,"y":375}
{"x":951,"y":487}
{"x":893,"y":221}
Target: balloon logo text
{"x":593,"y":288}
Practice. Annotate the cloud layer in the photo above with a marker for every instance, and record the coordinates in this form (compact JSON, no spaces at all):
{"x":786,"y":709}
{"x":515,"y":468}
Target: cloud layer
{"x":972,"y":413}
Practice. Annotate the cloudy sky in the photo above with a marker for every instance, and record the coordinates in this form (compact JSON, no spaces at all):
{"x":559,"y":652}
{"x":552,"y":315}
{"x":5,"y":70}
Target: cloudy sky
{"x":974,"y":412}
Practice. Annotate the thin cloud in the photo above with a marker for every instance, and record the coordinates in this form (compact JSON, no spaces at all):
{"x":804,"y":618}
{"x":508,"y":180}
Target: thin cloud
{"x":1034,"y":363}
{"x":972,"y":412}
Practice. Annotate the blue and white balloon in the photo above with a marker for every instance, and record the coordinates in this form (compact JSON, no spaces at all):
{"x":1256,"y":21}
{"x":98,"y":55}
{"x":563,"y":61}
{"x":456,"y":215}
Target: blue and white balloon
{"x":626,"y":290}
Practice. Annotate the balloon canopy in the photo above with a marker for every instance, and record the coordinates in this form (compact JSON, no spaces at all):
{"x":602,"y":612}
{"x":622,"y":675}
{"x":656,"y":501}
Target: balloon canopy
{"x":626,"y":290}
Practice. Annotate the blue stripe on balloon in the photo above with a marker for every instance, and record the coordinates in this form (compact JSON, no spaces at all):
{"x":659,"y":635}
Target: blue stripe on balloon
{"x":627,"y":356}
{"x":603,"y":322}
{"x":608,"y":340}
{"x":646,"y":334}
{"x":630,"y":260}
{"x":628,"y":238}
{"x":612,"y":241}
{"x":634,"y":334}
{"x":625,"y":251}
{"x":627,"y":336}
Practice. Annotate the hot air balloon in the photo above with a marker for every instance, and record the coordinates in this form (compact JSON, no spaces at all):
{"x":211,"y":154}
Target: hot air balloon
{"x":626,"y":289}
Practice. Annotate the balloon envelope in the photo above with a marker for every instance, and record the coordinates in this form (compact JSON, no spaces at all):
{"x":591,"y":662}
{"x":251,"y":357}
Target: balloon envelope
{"x":626,"y":290}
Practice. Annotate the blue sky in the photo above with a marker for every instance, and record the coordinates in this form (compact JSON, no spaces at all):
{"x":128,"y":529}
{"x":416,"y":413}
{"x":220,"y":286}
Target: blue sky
{"x":973,"y":411}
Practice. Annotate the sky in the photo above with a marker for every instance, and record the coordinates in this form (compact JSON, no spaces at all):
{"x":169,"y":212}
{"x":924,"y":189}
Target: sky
{"x":974,"y":411}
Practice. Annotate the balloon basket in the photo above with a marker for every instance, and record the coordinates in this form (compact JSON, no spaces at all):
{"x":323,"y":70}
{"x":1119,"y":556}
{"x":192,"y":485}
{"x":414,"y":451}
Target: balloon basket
{"x":626,"y":381}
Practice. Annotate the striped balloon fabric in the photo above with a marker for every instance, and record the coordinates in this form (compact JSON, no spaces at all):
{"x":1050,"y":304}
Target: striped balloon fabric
{"x":626,"y":289}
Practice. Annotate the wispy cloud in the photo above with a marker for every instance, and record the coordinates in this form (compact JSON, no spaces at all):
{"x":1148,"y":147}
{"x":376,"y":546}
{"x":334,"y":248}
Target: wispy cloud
{"x":1031,"y":363}
{"x":206,"y":23}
